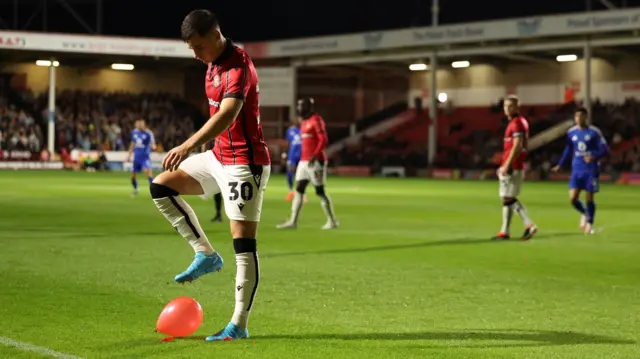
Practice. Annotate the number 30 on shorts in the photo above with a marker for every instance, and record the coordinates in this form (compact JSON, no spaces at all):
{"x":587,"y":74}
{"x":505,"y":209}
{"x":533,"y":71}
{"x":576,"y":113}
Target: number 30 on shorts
{"x":242,"y":190}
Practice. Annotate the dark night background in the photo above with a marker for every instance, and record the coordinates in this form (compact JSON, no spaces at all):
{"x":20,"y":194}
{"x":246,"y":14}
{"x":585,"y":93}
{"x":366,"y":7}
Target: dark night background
{"x":267,"y":20}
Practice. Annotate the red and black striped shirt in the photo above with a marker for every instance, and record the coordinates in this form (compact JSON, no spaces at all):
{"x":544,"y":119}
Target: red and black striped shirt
{"x":233,"y":75}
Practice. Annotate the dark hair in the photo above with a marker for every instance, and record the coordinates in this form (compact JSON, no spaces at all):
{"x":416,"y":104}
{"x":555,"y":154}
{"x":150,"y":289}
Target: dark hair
{"x":582,"y":110}
{"x":198,"y":22}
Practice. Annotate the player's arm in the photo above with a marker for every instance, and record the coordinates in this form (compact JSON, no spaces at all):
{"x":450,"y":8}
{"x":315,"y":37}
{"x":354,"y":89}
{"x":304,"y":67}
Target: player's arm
{"x":289,"y":137}
{"x":232,"y":101}
{"x":152,"y":141}
{"x":515,"y":151}
{"x":130,"y":150}
{"x":229,"y":110}
{"x":321,"y":134}
{"x":603,"y":148}
{"x":568,"y":148}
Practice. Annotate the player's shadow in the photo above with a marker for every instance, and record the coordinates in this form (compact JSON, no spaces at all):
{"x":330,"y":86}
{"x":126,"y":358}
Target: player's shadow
{"x":445,"y":242}
{"x":470,"y":339}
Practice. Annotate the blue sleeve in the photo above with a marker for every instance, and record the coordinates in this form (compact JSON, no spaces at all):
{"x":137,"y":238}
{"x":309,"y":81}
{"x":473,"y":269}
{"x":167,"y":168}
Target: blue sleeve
{"x":288,"y":135}
{"x":566,"y":153}
{"x":603,"y":148}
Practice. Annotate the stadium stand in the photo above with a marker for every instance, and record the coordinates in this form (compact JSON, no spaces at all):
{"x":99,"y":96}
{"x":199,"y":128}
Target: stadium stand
{"x":471,"y":137}
{"x":93,"y":120}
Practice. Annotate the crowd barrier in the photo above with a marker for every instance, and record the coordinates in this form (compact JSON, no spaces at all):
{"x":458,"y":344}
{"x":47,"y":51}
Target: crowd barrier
{"x":26,"y":160}
{"x":621,"y":178}
{"x":117,"y":161}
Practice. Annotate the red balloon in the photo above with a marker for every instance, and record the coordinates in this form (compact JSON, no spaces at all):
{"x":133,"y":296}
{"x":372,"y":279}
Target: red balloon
{"x":180,"y":317}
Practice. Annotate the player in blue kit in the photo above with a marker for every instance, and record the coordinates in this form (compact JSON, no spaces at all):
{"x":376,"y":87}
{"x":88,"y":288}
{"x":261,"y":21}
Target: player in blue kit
{"x":142,"y":143}
{"x":293,"y":156}
{"x":588,"y":146}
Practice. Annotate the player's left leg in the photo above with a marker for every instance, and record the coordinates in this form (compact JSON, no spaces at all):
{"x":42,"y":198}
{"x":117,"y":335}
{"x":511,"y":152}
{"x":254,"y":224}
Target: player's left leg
{"x":530,"y":229}
{"x":147,"y":171}
{"x":243,"y":205}
{"x":318,"y":180}
{"x":327,"y":207}
{"x":592,"y":187}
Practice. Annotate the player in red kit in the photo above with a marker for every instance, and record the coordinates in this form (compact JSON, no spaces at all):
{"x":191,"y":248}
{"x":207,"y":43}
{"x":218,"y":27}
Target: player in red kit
{"x":511,"y":171}
{"x":238,"y":166}
{"x":313,"y":165}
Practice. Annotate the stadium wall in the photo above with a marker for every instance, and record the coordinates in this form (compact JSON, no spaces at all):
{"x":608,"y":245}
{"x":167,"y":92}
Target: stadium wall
{"x":70,"y":78}
{"x":535,"y":83}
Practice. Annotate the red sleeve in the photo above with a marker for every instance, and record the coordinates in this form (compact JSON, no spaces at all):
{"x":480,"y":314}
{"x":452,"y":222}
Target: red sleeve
{"x":321,"y":133}
{"x":236,"y":84}
{"x":518,"y":129}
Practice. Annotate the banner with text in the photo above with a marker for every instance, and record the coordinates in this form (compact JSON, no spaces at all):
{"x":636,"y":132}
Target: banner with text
{"x":520,"y":28}
{"x":91,"y":44}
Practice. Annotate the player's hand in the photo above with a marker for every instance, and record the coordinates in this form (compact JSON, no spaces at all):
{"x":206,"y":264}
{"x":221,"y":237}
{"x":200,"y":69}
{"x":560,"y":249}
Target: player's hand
{"x":588,"y":159}
{"x":174,"y":157}
{"x":555,"y":169}
{"x":502,"y":171}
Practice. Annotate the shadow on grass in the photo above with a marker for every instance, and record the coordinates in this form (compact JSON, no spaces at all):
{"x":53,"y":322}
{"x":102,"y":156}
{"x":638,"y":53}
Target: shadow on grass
{"x":510,"y":338}
{"x":445,"y":242}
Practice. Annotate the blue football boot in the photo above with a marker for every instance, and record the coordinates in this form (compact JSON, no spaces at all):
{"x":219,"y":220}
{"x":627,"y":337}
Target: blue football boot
{"x":230,"y":332}
{"x":201,"y":265}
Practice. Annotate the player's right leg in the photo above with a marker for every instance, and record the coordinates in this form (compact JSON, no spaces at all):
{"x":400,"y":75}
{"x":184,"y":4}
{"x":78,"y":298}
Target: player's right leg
{"x":507,"y":212}
{"x":574,"y":197}
{"x":134,"y":180}
{"x":192,"y":178}
{"x":291,"y":171}
{"x":301,"y":183}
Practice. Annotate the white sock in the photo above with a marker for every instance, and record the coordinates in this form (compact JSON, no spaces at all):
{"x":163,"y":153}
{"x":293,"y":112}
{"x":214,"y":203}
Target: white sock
{"x":327,"y":207}
{"x":507,"y":213}
{"x":247,"y":279}
{"x":296,"y":206}
{"x":184,"y":220}
{"x":522,"y":212}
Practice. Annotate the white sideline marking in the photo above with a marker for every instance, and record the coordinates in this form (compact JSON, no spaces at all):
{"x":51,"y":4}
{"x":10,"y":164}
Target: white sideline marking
{"x":34,"y":348}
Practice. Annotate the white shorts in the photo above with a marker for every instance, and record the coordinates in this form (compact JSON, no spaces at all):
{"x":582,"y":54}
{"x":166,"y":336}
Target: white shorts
{"x":510,"y":185}
{"x":242,"y":189}
{"x":315,"y":173}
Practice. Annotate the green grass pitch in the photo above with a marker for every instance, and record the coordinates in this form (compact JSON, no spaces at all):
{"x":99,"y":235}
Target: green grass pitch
{"x":85,"y":270}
